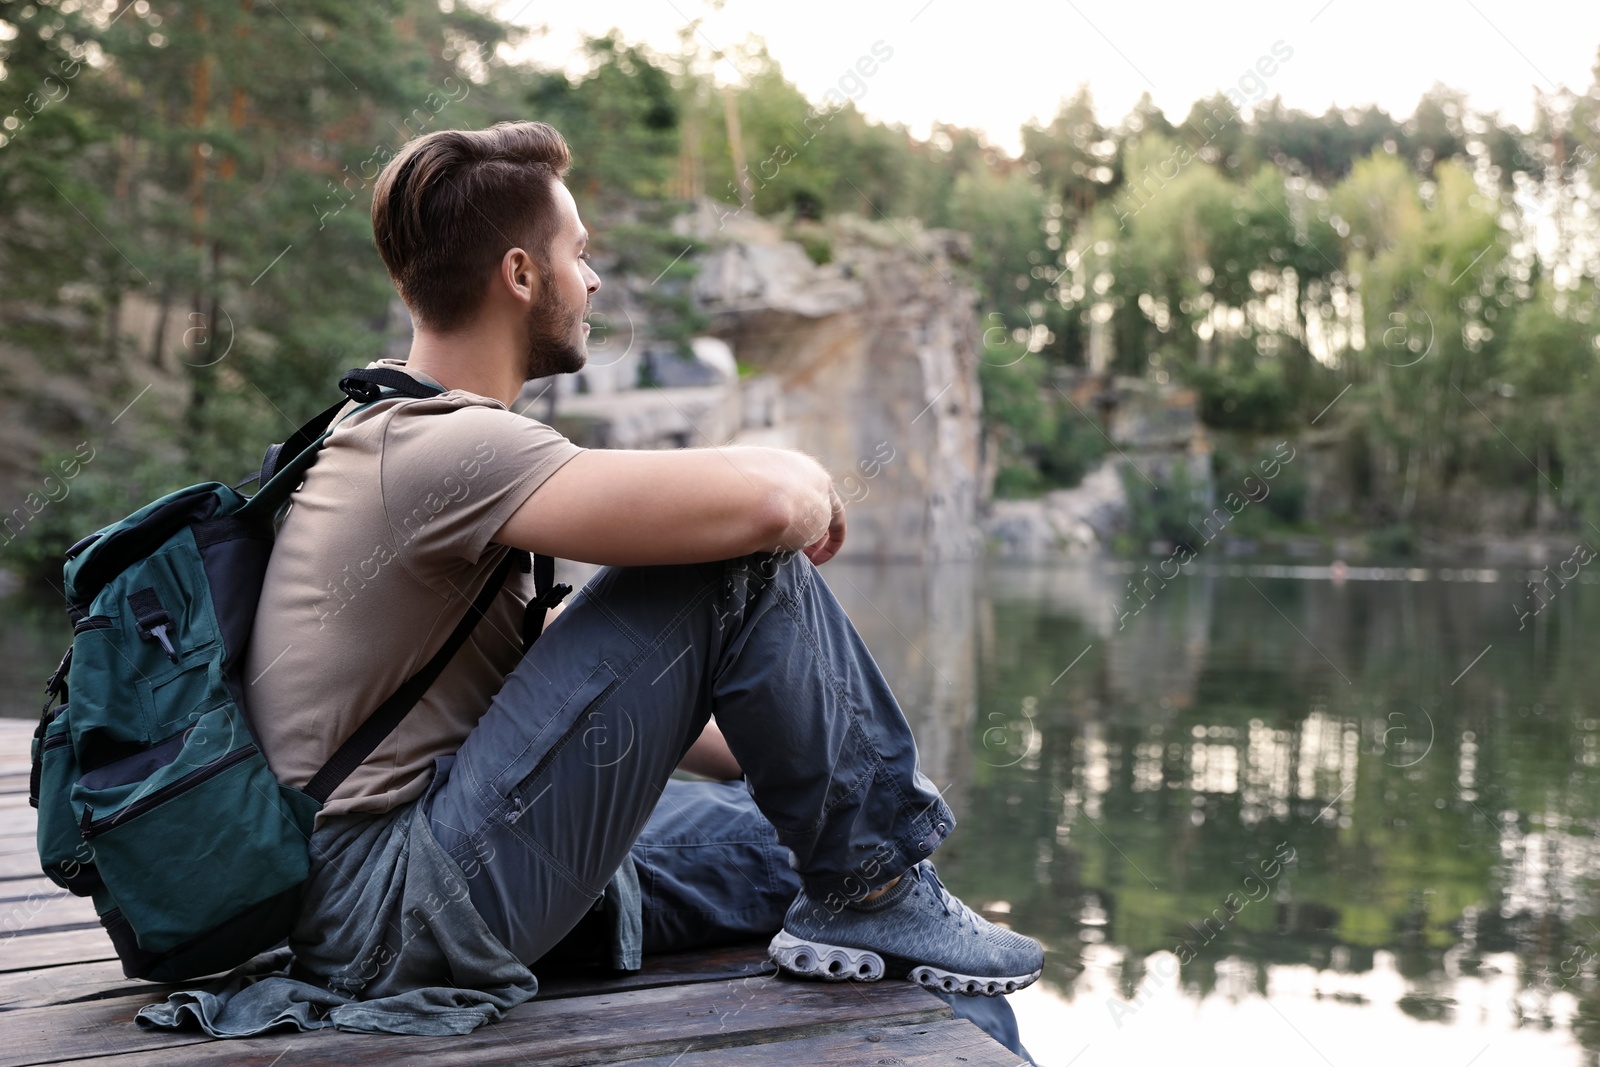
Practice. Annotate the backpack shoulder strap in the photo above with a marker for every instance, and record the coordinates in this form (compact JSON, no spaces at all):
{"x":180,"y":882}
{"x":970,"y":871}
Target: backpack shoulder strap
{"x":381,"y":723}
{"x":366,"y":386}
{"x":306,"y":436}
{"x":546,"y":595}
{"x":363,"y":385}
{"x":286,"y":463}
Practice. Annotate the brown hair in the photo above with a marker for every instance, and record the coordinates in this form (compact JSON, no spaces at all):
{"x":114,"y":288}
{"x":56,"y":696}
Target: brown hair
{"x":449,"y":205}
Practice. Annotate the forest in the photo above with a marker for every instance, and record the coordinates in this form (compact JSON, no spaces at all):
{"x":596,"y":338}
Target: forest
{"x":1418,"y":290}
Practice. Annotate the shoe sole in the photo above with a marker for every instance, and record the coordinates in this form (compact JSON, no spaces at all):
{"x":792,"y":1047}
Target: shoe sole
{"x":840,"y":963}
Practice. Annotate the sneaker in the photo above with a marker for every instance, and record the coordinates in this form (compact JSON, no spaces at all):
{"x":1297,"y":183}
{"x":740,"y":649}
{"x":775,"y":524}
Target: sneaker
{"x":916,"y":930}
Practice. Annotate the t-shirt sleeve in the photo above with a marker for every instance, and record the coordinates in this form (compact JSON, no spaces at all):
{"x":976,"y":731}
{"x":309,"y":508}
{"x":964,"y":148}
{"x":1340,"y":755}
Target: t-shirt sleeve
{"x":451,"y":479}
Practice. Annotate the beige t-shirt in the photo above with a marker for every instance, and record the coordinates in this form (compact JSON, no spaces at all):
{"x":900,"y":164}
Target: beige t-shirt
{"x":384,"y":546}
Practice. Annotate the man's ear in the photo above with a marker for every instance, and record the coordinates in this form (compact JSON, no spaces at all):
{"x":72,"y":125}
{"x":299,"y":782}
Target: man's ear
{"x":518,"y":275}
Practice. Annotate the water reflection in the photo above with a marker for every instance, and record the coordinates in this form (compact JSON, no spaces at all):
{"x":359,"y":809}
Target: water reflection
{"x":1132,"y":789}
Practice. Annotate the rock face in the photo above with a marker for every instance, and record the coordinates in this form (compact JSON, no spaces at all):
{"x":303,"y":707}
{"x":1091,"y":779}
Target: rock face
{"x":875,"y":355}
{"x":867,"y":361}
{"x":1073,"y":521}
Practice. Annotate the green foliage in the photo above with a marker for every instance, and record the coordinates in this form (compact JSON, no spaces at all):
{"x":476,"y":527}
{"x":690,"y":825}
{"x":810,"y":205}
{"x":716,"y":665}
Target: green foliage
{"x":620,"y":120}
{"x":110,"y":485}
{"x":1044,"y":443}
{"x":818,"y":249}
{"x":1400,"y":541}
{"x":1551,"y":347}
{"x":1258,"y":399}
{"x":650,"y":250}
{"x":208,"y":174}
{"x":1071,"y":452}
{"x":1164,"y":510}
{"x":211,"y":170}
{"x":1237,"y":466}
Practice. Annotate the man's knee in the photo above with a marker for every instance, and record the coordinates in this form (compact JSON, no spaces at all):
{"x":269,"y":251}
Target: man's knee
{"x":761,"y":570}
{"x":746,"y":578}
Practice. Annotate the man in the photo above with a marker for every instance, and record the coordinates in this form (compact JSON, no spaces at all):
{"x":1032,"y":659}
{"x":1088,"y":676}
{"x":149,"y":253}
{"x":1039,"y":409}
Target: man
{"x":709,"y":642}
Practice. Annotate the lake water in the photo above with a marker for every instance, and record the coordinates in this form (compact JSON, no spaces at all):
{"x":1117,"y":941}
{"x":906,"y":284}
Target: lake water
{"x":1269,"y":816}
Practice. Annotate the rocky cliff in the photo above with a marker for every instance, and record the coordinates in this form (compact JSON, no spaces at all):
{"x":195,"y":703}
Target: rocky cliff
{"x":866,"y":359}
{"x":875,"y":355}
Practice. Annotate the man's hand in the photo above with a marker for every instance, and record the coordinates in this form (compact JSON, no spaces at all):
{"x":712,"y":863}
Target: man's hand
{"x":827,"y":546}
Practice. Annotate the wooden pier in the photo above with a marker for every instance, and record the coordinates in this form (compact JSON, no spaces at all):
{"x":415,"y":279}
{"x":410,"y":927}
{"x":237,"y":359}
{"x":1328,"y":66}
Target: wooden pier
{"x":64,"y":1000}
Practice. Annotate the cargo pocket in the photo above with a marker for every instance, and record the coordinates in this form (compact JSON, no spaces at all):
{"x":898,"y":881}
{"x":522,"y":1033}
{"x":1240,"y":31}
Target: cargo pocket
{"x":546,"y":734}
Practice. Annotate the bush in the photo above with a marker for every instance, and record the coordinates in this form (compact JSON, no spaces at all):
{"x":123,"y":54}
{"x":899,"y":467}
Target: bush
{"x":109,"y":486}
{"x":1044,"y":443}
{"x":1399,"y":541}
{"x":818,"y":248}
{"x":1162,"y":512}
{"x":1071,"y":451}
{"x":1285,"y":503}
{"x":1258,"y":400}
{"x":1015,"y":481}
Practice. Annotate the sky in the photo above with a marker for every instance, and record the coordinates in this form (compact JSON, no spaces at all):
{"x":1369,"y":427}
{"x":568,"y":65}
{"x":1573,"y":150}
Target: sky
{"x":998,"y":64}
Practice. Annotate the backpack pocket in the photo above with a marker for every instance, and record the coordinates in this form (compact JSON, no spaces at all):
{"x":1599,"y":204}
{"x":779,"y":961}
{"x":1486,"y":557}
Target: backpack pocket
{"x":111,"y":720}
{"x":193,"y":832}
{"x":64,"y":855}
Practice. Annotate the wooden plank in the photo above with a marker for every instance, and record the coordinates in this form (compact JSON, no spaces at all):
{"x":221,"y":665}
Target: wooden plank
{"x":21,"y":888}
{"x":936,"y":1044}
{"x":48,"y":949}
{"x":39,"y":924}
{"x":46,"y":913}
{"x":21,"y":846}
{"x":76,"y":982}
{"x":39,"y":987}
{"x":48,"y":1035}
{"x":605,"y":1028}
{"x":20,"y":865}
{"x":698,"y":965}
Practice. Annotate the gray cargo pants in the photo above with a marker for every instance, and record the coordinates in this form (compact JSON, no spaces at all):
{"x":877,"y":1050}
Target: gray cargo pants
{"x":557,"y":781}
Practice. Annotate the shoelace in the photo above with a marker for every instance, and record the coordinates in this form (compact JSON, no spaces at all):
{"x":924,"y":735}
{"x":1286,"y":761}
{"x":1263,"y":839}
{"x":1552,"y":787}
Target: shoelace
{"x":959,"y":910}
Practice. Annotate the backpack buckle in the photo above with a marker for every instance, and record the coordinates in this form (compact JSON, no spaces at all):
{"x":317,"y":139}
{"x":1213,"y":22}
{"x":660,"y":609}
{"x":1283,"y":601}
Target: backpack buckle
{"x":152,"y":620}
{"x":552,"y":596}
{"x":359,"y":391}
{"x":56,"y":688}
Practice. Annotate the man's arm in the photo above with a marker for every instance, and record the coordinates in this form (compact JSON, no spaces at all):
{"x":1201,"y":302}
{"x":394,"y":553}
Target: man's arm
{"x":618,"y":507}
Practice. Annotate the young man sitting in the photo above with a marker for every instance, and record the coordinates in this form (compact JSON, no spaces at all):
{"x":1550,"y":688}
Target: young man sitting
{"x":526,"y":794}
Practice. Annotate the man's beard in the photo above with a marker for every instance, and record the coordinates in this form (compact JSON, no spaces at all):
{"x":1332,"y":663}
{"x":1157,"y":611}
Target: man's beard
{"x":551,"y":325}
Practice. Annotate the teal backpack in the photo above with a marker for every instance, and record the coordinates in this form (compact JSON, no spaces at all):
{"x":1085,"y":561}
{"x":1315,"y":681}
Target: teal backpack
{"x":153,"y":795}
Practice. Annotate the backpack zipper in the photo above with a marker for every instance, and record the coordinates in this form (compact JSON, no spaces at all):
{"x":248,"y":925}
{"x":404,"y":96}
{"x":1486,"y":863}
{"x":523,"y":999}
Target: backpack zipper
{"x":93,"y":622}
{"x":91,"y":827}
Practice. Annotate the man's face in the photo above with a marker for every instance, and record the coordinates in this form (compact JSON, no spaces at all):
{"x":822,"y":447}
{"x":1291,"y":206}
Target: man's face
{"x":557,"y":335}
